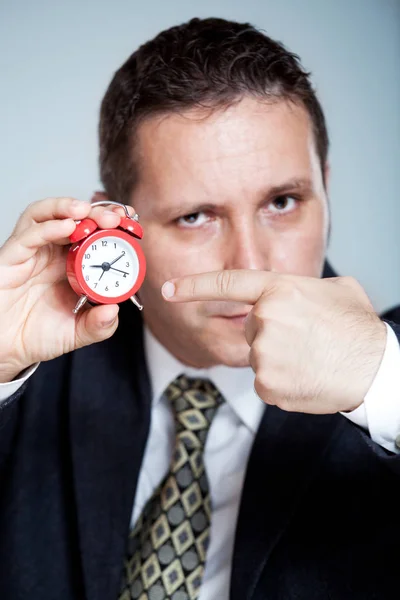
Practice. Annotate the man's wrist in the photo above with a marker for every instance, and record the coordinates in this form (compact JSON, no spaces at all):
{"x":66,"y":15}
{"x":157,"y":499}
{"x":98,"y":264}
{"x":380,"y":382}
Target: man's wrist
{"x":9,"y":374}
{"x":379,"y":414}
{"x":370,"y":363}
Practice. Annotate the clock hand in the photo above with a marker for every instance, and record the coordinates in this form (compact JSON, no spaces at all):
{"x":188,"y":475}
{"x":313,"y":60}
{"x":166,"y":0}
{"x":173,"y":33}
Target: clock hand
{"x":115,"y":260}
{"x":109,"y":267}
{"x":119,"y":270}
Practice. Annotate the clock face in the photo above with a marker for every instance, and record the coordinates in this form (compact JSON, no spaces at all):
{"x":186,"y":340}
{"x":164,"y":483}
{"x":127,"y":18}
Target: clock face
{"x":110,"y":266}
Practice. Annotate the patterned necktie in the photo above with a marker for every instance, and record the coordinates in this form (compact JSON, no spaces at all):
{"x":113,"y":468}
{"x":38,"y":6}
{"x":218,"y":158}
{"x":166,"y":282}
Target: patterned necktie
{"x":167,"y":547}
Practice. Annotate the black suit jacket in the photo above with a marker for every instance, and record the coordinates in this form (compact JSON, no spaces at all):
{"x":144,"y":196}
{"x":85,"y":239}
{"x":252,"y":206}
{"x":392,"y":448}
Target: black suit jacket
{"x":319,"y":515}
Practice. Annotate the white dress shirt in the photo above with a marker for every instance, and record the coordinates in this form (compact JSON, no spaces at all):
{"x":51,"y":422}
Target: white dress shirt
{"x":227,"y":449}
{"x":230,"y":440}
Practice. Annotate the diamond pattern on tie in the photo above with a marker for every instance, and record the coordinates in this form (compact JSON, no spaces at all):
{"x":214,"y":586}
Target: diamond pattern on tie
{"x":168,"y":545}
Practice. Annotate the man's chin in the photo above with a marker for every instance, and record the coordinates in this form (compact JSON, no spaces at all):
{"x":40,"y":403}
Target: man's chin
{"x":236,"y":362}
{"x":231,"y":350}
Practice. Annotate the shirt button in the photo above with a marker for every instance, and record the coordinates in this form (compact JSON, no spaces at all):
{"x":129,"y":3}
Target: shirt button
{"x":397,"y":442}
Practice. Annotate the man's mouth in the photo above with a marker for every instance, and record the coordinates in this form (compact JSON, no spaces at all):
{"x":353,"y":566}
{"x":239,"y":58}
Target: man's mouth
{"x":238,"y":319}
{"x":232,"y":313}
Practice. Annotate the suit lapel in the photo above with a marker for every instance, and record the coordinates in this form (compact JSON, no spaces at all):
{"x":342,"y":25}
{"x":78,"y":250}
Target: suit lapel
{"x":328,"y":271}
{"x":286,"y":453}
{"x":109,"y":421}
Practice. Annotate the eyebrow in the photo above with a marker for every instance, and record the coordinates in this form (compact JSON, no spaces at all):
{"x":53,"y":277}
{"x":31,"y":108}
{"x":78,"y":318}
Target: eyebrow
{"x":302,"y":184}
{"x":173,"y":213}
{"x":297,"y":184}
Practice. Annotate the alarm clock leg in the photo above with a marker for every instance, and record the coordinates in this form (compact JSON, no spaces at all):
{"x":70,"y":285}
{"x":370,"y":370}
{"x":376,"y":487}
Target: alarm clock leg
{"x":79,"y":304}
{"x":136,"y":302}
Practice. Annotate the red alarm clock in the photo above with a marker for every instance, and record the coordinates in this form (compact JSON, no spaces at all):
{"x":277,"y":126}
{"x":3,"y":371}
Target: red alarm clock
{"x":106,"y":266}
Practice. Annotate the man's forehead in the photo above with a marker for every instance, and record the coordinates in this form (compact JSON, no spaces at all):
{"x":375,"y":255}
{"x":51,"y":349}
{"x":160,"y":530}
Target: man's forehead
{"x":248,"y":125}
{"x":247,"y":146}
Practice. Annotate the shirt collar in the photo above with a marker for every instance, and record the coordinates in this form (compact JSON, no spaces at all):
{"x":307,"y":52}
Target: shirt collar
{"x":235,"y":384}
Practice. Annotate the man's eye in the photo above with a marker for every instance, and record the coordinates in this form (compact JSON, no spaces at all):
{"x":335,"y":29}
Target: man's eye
{"x":283,"y":204}
{"x":193,"y":220}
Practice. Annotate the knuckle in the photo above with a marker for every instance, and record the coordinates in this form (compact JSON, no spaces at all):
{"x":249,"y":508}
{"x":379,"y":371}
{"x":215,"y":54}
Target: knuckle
{"x":263,"y":381}
{"x":284,"y":286}
{"x":349,"y":281}
{"x":284,"y":404}
{"x":260,"y":311}
{"x":287,"y":403}
{"x":192,"y":287}
{"x":30,"y":235}
{"x":263,"y":391}
{"x":42,"y":229}
{"x":355,"y":287}
{"x":31,"y":208}
{"x":65,"y":202}
{"x":289,"y":290}
{"x":224,"y":279}
{"x":259,"y":387}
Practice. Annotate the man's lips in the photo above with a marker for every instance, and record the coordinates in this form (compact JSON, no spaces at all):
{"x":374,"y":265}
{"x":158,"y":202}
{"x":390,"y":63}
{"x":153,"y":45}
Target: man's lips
{"x":239,"y":319}
{"x":233,"y":316}
{"x":233,"y":312}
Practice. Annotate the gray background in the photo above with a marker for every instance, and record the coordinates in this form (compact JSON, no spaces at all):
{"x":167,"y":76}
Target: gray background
{"x":56,"y":59}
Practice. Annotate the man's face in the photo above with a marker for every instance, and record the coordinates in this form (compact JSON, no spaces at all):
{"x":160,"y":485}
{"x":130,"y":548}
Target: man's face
{"x":240,"y":188}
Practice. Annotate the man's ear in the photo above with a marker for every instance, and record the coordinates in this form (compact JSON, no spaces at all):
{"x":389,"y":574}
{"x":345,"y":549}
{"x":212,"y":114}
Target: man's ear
{"x":98,"y":195}
{"x":327,"y":177}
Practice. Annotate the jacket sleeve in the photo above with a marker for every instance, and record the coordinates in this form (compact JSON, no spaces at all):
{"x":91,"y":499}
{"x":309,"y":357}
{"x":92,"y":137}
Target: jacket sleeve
{"x":9,"y":415}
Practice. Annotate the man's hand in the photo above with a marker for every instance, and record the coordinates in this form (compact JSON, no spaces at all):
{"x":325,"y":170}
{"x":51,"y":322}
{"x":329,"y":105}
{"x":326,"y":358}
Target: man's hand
{"x":315,"y":344}
{"x":36,"y":319}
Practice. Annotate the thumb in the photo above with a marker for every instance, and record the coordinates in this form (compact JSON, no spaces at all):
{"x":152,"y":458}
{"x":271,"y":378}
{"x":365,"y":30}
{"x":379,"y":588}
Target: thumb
{"x":96,"y":324}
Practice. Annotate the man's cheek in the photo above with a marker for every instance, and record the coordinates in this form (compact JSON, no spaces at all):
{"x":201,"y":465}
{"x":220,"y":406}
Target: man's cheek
{"x":299,"y":253}
{"x":185,"y":318}
{"x":158,"y":269}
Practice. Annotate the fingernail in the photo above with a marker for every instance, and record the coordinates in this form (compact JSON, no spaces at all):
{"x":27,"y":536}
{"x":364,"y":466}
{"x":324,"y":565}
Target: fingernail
{"x":168,"y":289}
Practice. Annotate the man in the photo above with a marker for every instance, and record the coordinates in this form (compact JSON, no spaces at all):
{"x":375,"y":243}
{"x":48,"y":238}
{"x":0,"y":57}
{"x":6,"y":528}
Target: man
{"x":117,"y":460}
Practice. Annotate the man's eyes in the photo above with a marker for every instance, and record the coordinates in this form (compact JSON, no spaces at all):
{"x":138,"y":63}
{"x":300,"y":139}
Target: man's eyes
{"x":279,"y":206}
{"x":193,"y":220}
{"x":283,"y":204}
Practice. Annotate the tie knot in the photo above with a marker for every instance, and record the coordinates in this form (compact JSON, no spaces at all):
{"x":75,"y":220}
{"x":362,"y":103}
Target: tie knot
{"x":194,"y":403}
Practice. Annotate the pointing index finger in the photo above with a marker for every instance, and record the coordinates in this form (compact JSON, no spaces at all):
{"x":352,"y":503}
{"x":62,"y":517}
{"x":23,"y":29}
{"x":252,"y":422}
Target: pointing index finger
{"x":239,"y":286}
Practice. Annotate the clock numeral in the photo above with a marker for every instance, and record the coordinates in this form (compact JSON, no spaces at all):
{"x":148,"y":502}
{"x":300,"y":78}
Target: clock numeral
{"x":115,"y":245}
{"x":87,"y":255}
{"x":87,"y":277}
{"x":95,"y":285}
{"x":94,"y":247}
{"x":117,"y":284}
{"x":106,"y":288}
{"x":124,"y":275}
{"x":127,"y":264}
{"x":123,"y":252}
{"x":104,"y":243}
{"x":83,"y":266}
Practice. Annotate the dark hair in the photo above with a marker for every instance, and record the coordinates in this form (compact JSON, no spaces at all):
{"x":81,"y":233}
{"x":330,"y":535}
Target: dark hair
{"x":202,"y":63}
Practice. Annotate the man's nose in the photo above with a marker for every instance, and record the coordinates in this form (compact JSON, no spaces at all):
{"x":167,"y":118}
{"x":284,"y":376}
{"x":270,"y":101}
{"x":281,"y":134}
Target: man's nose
{"x":246,"y":248}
